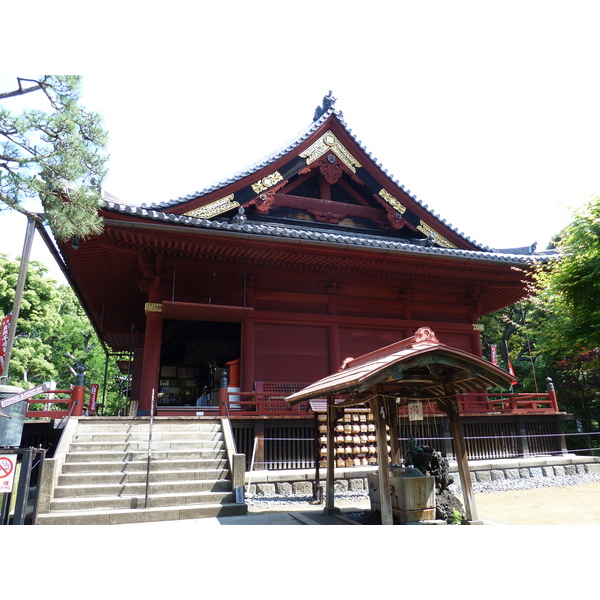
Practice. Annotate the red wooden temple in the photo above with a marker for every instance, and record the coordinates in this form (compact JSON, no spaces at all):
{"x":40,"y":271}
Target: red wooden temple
{"x":269,"y":280}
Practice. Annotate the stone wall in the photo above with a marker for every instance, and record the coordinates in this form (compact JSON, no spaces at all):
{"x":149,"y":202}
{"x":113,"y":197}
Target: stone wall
{"x":495,"y":470}
{"x":300,"y":482}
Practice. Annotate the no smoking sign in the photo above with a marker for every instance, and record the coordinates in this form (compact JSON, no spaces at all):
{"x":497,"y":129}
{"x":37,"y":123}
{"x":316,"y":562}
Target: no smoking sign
{"x":7,"y":472}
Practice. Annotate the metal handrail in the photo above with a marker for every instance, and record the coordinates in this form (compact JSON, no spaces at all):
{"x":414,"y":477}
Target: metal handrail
{"x":149,"y":450}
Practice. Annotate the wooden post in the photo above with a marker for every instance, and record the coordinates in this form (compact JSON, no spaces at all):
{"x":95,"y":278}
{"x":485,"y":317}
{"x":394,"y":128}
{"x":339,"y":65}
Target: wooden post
{"x":152,"y":349}
{"x":223,"y":401}
{"x":332,"y":414}
{"x":450,"y":406}
{"x":29,"y":232}
{"x":247,"y":362}
{"x":380,"y":410}
{"x":259,"y":434}
{"x":523,"y":439}
{"x":551,"y":394}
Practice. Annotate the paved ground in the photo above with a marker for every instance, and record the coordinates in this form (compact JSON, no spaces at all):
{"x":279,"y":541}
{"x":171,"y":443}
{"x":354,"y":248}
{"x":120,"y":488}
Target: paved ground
{"x":569,"y":505}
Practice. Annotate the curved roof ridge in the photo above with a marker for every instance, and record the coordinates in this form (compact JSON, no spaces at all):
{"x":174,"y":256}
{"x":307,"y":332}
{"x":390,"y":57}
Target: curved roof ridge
{"x":322,"y":114}
{"x":267,"y":159}
{"x":414,"y":197}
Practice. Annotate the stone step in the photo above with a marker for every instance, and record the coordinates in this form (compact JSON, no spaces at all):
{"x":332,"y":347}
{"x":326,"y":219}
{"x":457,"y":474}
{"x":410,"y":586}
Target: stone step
{"x":139,"y":489}
{"x":141,"y":465}
{"x":142,"y":446}
{"x":103,"y":478}
{"x":165,"y":436}
{"x":119,"y":477}
{"x":108,"y":456}
{"x":81,"y":503}
{"x":144,"y":427}
{"x":142,"y":515}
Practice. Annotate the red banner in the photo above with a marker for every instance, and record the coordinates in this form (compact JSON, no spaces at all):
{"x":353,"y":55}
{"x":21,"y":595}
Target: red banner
{"x":93,"y":398}
{"x":4,"y":339}
{"x":509,"y":364}
{"x":494,"y":352}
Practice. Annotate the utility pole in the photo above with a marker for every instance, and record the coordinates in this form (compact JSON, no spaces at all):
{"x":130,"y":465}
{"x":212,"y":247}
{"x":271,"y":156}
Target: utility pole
{"x":18,"y":295}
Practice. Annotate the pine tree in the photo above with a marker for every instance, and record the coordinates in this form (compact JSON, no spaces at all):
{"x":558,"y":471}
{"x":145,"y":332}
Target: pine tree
{"x":56,"y":155}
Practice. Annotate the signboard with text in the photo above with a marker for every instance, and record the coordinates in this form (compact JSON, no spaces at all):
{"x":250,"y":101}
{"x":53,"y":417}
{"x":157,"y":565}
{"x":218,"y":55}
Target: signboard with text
{"x":8,"y":464}
{"x":415,"y":411}
{"x":93,"y":397}
{"x":4,"y":330}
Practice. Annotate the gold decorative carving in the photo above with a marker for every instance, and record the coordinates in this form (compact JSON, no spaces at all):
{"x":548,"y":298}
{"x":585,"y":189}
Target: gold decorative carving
{"x":478,"y":327}
{"x":214,"y":208}
{"x":392,"y":201}
{"x":328,"y":142}
{"x":266,"y":182}
{"x":152,"y":307}
{"x":438,"y":239}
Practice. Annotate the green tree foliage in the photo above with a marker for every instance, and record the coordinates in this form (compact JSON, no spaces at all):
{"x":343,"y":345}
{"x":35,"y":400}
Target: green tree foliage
{"x":569,"y":289}
{"x":54,"y":154}
{"x":54,"y":336}
{"x":38,"y":319}
{"x":556,"y":332}
{"x":510,"y":330}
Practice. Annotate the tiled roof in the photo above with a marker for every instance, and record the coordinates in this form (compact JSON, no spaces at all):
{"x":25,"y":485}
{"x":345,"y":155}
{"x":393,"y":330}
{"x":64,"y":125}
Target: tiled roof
{"x":277,"y":230}
{"x":153,"y":211}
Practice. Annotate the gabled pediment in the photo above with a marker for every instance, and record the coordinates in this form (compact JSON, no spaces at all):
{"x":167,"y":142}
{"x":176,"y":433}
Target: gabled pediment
{"x":324,"y":178}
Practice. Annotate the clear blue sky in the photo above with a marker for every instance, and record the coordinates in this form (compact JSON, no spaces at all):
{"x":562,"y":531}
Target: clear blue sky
{"x":488,"y":115}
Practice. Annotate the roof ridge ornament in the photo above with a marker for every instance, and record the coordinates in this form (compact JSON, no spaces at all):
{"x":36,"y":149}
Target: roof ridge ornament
{"x":425,"y":334}
{"x":328,"y":102}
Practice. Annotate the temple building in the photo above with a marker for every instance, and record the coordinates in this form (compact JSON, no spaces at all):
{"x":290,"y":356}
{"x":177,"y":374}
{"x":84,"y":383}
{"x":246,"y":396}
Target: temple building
{"x":271,"y":279}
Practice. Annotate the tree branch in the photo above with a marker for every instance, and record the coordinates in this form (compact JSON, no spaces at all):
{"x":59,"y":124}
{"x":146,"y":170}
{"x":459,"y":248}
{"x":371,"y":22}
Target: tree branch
{"x":21,"y":91}
{"x":16,"y":206}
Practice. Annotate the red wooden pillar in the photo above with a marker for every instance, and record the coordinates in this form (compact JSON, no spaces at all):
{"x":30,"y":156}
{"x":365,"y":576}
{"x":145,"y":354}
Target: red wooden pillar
{"x":247,"y":377}
{"x":152,"y":346}
{"x":551,"y":394}
{"x":247,"y":362}
{"x":136,"y":383}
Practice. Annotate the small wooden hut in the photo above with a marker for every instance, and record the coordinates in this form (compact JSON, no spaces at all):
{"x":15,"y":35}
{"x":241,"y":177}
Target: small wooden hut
{"x":416,"y":369}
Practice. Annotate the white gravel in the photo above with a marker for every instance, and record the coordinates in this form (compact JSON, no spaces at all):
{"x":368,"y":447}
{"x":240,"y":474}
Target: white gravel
{"x":528,"y":483}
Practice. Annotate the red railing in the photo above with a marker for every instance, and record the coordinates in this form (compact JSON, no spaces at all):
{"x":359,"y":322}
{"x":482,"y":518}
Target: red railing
{"x":56,"y":406}
{"x":508,"y":403}
{"x":241,"y":404}
{"x":479,"y":403}
{"x":253,"y":404}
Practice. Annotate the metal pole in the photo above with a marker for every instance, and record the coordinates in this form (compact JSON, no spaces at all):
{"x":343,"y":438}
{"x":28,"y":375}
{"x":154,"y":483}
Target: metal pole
{"x":106,"y":357}
{"x":23,"y":487}
{"x":18,"y":295}
{"x":149,"y":449}
{"x":251,"y":465}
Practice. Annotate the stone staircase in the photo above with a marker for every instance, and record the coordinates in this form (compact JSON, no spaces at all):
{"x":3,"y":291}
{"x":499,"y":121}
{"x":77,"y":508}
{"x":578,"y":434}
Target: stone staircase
{"x":103,"y":477}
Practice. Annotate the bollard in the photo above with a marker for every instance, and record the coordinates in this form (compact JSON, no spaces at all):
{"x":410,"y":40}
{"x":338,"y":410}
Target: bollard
{"x":223,"y":395}
{"x":78,"y":392}
{"x":551,"y":394}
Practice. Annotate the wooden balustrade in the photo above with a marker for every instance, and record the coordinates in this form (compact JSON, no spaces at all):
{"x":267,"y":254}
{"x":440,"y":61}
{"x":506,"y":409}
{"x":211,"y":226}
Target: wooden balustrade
{"x":54,"y":408}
